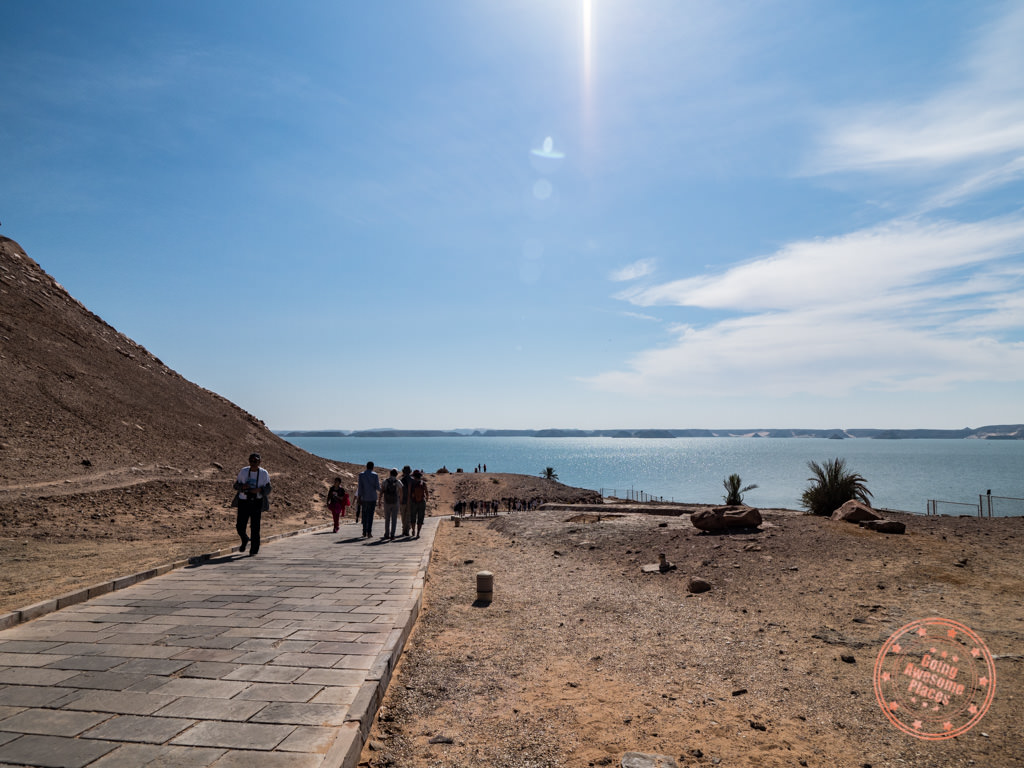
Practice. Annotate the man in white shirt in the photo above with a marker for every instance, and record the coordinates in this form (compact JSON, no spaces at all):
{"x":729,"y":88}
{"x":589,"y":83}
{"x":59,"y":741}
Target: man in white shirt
{"x":253,"y":486}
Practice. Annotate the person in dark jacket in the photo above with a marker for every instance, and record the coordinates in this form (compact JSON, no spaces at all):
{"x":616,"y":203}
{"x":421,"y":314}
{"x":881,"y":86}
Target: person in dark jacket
{"x":369,"y":487}
{"x":337,"y":502}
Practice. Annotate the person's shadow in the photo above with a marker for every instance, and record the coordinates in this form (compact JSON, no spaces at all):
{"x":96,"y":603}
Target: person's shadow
{"x":201,"y":561}
{"x":353,"y":540}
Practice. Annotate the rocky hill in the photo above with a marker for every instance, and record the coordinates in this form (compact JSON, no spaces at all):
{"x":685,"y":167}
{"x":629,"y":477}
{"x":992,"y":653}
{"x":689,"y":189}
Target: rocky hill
{"x":102,"y":445}
{"x":78,"y":398}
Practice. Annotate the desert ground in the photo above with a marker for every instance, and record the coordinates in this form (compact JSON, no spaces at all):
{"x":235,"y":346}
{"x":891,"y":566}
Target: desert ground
{"x":582,"y":657}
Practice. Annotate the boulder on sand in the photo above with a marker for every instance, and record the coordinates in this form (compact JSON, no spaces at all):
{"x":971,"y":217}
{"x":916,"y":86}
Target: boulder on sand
{"x":726,"y":518}
{"x":885,"y":526}
{"x":696,"y":586}
{"x":855,"y":511}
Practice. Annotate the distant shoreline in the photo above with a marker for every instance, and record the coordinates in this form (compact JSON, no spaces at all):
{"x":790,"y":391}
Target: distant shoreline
{"x":995,"y":432}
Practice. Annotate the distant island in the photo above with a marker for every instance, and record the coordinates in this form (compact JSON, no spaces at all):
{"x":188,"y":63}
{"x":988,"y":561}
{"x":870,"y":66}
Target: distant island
{"x":993,"y":432}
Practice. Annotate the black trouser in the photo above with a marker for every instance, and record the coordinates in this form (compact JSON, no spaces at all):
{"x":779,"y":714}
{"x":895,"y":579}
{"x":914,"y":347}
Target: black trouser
{"x":368,"y":508}
{"x":250,"y":512}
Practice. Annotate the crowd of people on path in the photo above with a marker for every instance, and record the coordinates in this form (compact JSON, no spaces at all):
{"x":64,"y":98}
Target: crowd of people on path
{"x":404,"y":498}
{"x":485,"y":507}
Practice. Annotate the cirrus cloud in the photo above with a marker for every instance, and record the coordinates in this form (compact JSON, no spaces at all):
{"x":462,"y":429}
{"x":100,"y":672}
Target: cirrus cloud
{"x":907,"y":305}
{"x":637,"y":269}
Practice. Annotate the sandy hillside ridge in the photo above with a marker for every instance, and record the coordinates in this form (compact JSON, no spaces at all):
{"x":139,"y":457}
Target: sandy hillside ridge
{"x":110,"y":462}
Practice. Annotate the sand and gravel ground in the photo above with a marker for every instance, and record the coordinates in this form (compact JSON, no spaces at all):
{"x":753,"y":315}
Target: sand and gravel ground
{"x":581,"y":657}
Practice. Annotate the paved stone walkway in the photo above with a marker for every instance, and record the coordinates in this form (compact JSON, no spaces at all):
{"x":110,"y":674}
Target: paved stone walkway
{"x":276,"y":660}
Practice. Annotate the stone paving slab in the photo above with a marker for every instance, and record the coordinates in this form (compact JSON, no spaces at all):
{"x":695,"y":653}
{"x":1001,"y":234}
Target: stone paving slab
{"x":276,"y":660}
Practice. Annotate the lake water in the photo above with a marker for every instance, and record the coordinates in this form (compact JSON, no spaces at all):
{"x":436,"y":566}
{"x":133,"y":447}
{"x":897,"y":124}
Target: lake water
{"x":901,"y":474}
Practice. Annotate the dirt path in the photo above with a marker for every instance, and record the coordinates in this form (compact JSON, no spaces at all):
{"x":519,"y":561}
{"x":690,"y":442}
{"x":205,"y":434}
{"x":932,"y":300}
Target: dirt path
{"x":122,"y":477}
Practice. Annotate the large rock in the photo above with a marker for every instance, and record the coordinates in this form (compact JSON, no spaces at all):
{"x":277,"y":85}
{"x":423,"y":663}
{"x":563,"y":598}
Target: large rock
{"x":696,"y":586}
{"x":855,"y":512}
{"x":726,"y":518}
{"x":885,"y":526}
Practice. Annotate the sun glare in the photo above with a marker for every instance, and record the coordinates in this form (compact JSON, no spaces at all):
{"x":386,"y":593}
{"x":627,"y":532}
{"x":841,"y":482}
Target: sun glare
{"x":587,"y":53}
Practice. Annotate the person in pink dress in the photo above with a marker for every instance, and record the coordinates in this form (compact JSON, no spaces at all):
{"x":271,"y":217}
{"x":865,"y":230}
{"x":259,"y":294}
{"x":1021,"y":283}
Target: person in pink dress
{"x":337,"y":502}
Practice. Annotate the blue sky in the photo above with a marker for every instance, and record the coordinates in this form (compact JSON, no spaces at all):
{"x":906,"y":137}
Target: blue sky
{"x":537,"y":213}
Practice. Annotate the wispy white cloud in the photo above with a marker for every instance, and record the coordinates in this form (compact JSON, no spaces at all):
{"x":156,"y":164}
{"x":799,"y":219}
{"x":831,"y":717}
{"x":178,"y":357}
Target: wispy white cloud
{"x":641,"y":316}
{"x":888,"y":266}
{"x":810,"y":353}
{"x":903,"y":306}
{"x":976,"y":184}
{"x":633,"y":271}
{"x":978,"y":119}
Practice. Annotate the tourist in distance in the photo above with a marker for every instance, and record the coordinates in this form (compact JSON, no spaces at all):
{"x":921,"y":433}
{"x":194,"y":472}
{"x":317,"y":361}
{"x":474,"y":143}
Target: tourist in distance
{"x":337,"y":501}
{"x":406,"y":510}
{"x":253,"y":487}
{"x":368,"y":488}
{"x":391,"y":492}
{"x":418,"y":502}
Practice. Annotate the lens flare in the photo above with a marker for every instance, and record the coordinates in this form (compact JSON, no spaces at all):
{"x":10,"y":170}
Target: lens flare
{"x":587,"y":96}
{"x":547,"y":150}
{"x":542,"y":189}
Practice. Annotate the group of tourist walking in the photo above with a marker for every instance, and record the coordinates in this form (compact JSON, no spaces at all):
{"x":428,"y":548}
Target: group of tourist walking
{"x":487,"y":507}
{"x":403,"y":498}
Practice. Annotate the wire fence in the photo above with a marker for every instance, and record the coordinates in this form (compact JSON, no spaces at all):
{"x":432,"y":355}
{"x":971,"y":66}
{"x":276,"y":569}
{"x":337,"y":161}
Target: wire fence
{"x":987,"y":506}
{"x":631,"y":495}
{"x":953,"y":508}
{"x":1000,"y":506}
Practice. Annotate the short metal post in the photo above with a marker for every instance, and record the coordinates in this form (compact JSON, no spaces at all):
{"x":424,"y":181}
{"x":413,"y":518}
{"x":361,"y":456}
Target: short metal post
{"x":484,"y":586}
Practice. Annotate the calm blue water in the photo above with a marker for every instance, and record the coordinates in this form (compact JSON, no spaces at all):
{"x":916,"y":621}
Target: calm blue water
{"x":901,"y":474}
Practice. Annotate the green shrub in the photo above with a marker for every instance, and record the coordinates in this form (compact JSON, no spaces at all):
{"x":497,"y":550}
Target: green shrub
{"x":831,"y":486}
{"x":733,"y":491}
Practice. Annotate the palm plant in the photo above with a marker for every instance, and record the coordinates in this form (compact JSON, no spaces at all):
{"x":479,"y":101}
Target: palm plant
{"x":832,"y":486}
{"x":549,"y":473}
{"x":733,"y":491}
